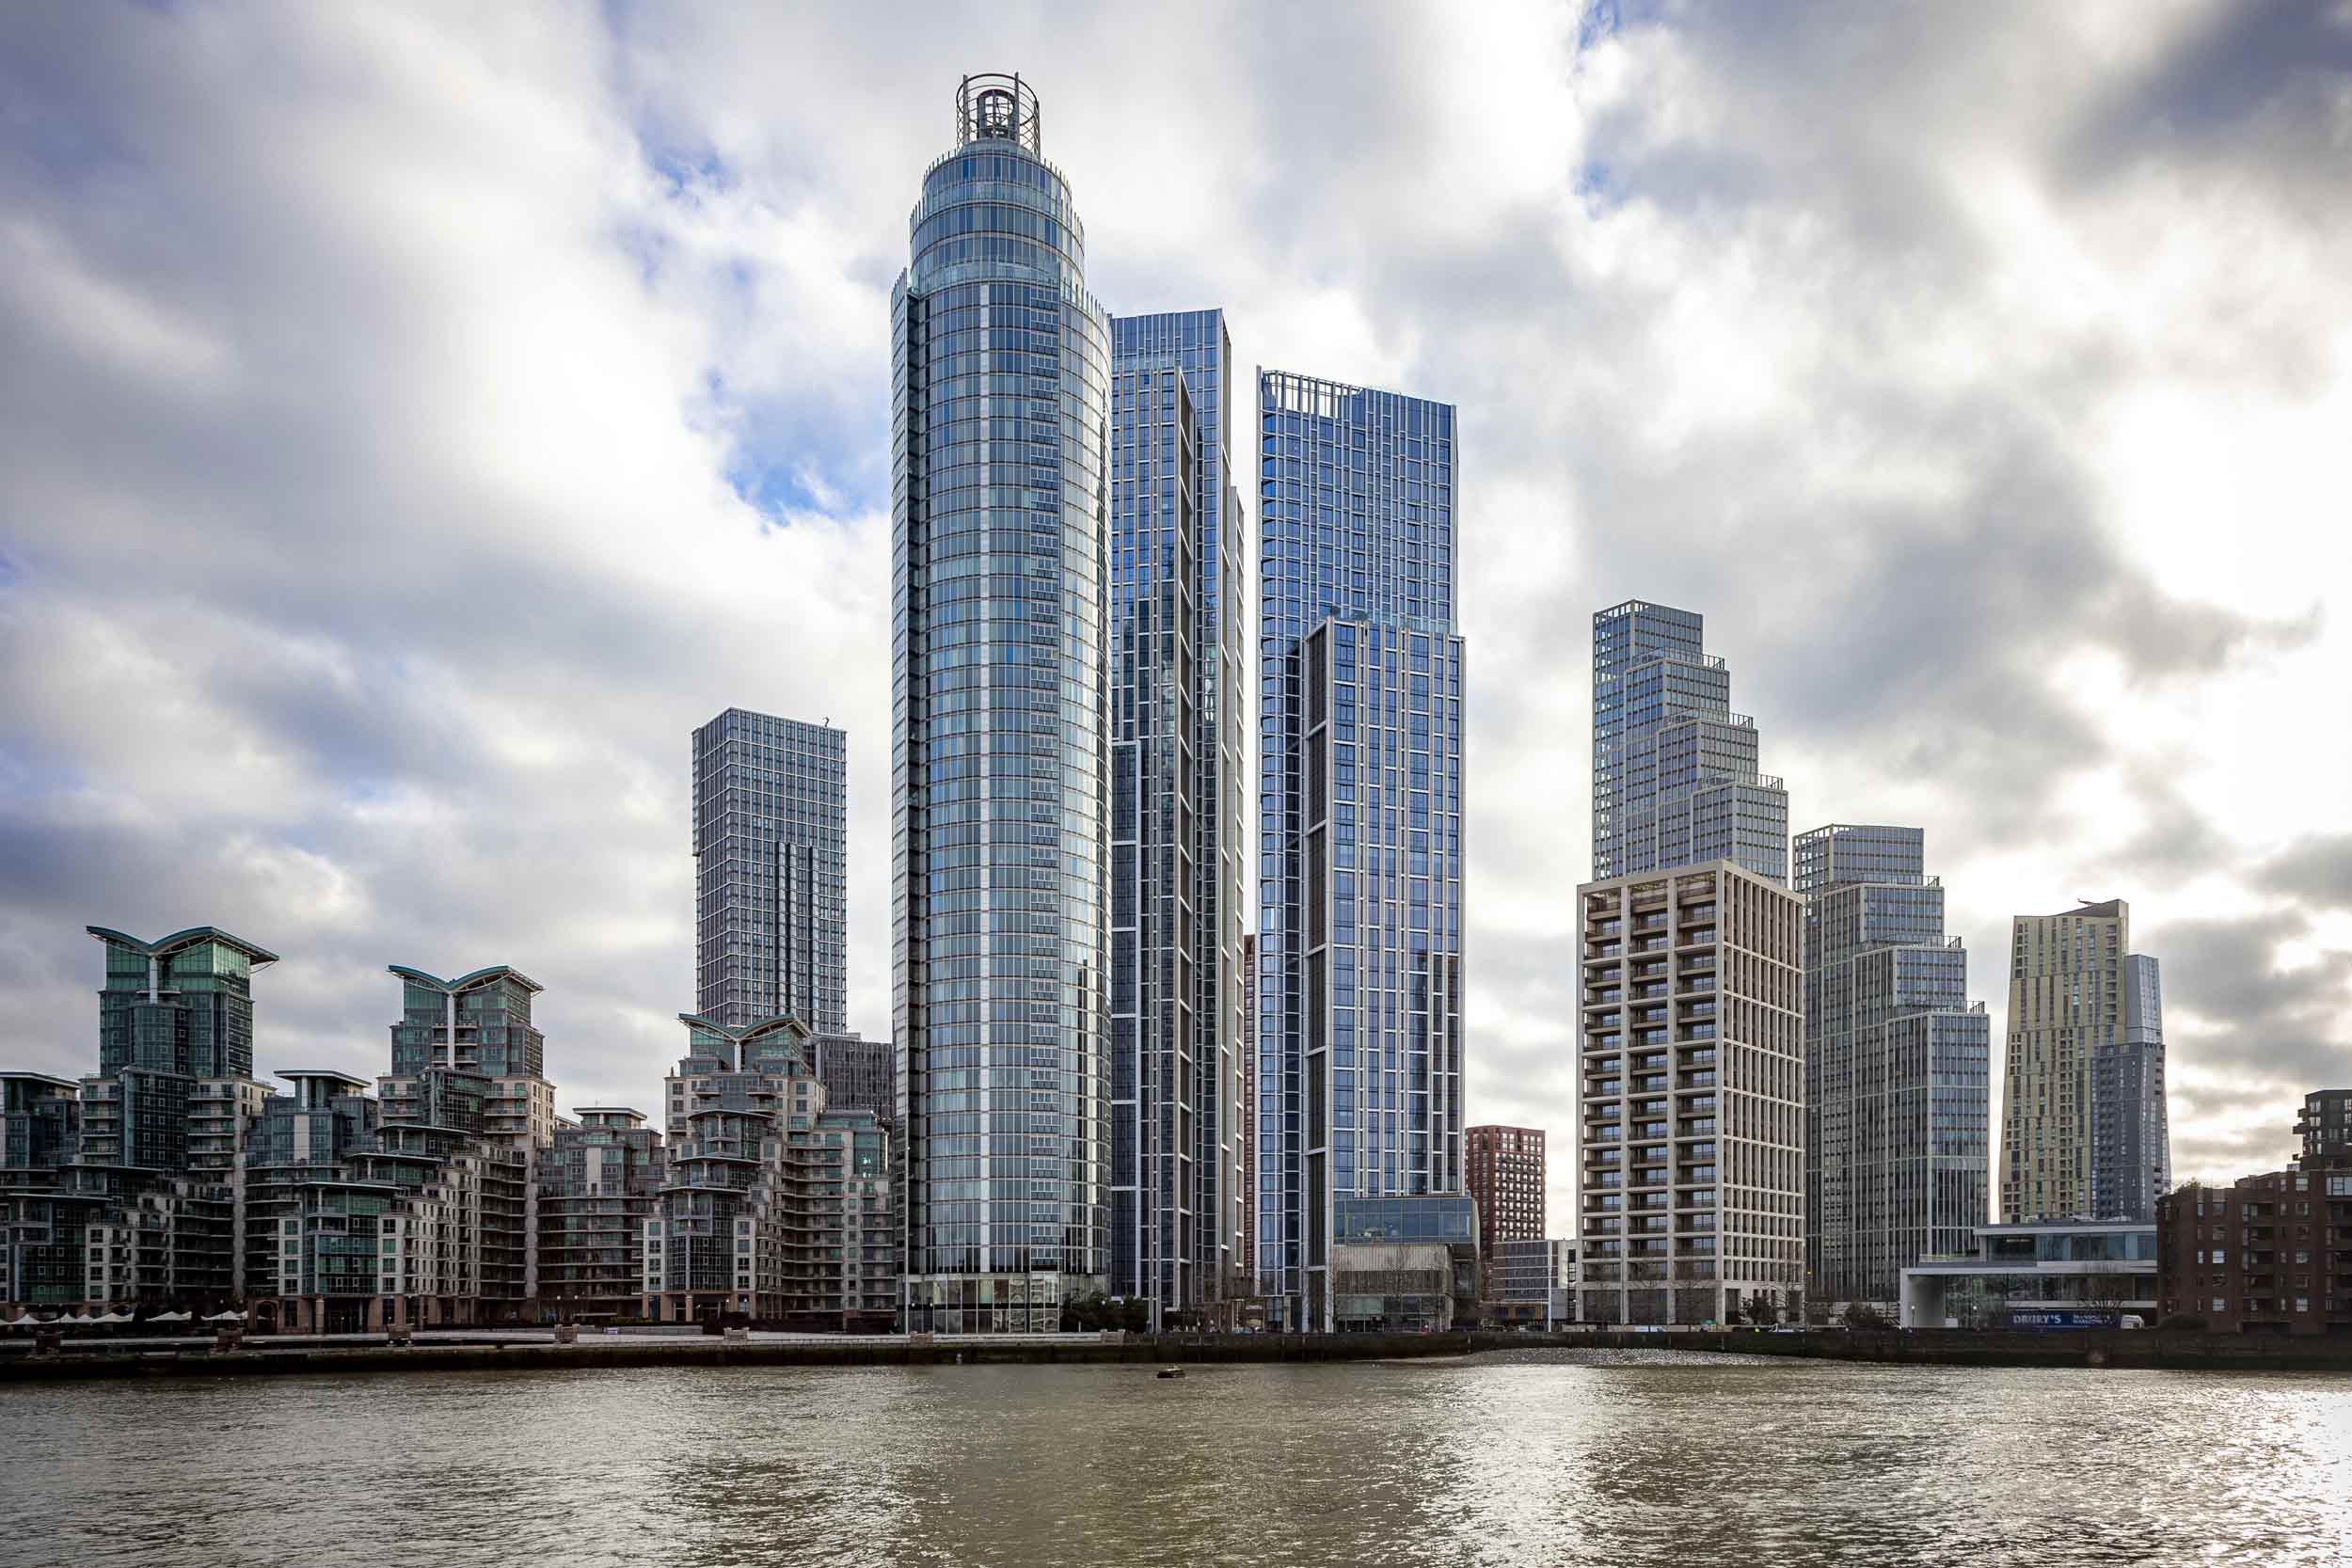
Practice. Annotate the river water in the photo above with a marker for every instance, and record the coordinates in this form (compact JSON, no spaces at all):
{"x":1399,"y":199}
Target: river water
{"x":1539,"y":1457}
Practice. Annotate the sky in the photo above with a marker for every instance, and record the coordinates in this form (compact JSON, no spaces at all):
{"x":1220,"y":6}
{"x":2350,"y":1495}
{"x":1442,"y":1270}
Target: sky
{"x":414,"y":419}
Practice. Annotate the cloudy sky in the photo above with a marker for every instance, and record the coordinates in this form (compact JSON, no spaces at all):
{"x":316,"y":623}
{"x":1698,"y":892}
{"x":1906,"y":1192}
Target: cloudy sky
{"x":415,"y":419}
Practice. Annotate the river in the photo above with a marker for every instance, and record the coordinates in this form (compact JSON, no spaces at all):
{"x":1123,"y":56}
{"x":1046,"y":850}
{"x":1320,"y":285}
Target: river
{"x":1620,"y":1459}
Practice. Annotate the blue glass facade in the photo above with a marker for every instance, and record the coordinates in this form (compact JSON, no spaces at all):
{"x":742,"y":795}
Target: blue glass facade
{"x":1675,"y":779}
{"x":1000,"y":408}
{"x":1359,"y":940}
{"x":1176,"y":777}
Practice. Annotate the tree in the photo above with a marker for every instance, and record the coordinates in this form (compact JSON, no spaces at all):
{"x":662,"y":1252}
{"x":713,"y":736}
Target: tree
{"x":1861,"y":1314}
{"x":1761,"y":1310}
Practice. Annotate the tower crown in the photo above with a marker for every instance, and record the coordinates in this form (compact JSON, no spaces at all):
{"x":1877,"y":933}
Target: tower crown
{"x":995,"y":107}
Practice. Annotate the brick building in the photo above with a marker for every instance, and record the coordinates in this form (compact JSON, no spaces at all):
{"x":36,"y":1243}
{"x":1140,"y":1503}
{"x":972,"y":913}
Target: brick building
{"x":2270,"y":1255}
{"x":2326,"y":1128}
{"x":1506,"y":1170}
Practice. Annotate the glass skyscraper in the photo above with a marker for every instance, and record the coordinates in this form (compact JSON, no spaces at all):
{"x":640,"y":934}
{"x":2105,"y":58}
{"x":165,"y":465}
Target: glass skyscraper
{"x":770,"y":881}
{"x":1898,"y":1067}
{"x":2131,"y":1144}
{"x":1176,"y":778}
{"x":1360,"y":819}
{"x":1675,"y":779}
{"x":1000,"y":386}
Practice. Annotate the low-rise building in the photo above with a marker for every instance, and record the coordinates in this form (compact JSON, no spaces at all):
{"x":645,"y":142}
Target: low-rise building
{"x":2060,"y":1269}
{"x":2271,"y":1254}
{"x":1532,"y":1282}
{"x":1404,"y":1262}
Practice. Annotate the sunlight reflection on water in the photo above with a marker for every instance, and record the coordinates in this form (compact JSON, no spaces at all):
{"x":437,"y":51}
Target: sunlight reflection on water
{"x":1625,"y":1458}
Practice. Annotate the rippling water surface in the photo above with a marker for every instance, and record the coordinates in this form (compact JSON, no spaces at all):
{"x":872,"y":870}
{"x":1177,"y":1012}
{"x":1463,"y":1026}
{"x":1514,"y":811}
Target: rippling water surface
{"x":1542,"y":1457}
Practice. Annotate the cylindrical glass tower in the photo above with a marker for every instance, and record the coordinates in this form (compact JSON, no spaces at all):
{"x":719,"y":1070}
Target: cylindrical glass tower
{"x":1000,"y":406}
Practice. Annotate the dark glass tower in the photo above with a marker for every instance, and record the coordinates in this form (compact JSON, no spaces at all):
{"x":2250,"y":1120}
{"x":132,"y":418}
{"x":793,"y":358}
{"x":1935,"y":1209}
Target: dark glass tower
{"x":999,"y":945}
{"x":1360,"y":819}
{"x":770,"y":884}
{"x":1176,"y":807}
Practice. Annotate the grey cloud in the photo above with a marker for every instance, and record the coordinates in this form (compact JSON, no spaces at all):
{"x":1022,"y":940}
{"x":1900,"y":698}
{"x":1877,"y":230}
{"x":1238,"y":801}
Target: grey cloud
{"x":2255,"y":84}
{"x":2316,"y":869}
{"x":2263,"y":1022}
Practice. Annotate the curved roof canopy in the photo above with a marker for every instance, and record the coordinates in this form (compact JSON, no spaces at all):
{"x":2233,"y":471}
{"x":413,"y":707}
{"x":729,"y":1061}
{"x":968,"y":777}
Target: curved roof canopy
{"x":255,"y":954}
{"x":465,"y":982}
{"x":748,"y":1031}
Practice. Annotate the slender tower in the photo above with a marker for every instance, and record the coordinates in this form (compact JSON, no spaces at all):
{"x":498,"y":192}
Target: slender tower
{"x":1360,"y":819}
{"x":1898,"y":1067}
{"x":1176,"y":775}
{"x":999,"y":945}
{"x":771,"y":888}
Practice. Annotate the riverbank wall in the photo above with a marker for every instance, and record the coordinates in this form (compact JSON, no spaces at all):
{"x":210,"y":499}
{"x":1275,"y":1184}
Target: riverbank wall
{"x":1953,"y":1347}
{"x":1939,"y":1347}
{"x":263,"y":1358}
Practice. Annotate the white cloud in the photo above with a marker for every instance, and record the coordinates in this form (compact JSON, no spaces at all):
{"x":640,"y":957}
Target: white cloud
{"x":378,"y":387}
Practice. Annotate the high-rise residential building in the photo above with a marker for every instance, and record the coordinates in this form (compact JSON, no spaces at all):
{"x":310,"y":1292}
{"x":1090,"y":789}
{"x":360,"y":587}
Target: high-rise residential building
{"x":322,"y":1244}
{"x":478,"y":1023}
{"x":1675,"y":779}
{"x":464,"y":1116}
{"x":999,"y":734}
{"x":1360,"y":820}
{"x":2325,"y":1127}
{"x":859,"y":1074}
{"x":1175,"y":840}
{"x":44,"y":1240}
{"x":1506,"y":1176}
{"x":1246,"y":1282}
{"x":473,"y":1036}
{"x":142,"y":1209}
{"x":598,"y":1185}
{"x":1693,"y":1096}
{"x":2131,"y":1142}
{"x":772,"y":1207}
{"x":1898,"y":1068}
{"x":770,"y":871}
{"x":40,"y":1124}
{"x":2083,"y":1123}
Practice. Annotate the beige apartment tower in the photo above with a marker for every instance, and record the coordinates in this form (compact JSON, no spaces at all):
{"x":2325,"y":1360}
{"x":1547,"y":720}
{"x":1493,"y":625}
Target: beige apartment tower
{"x":1691,"y":1095}
{"x":2084,"y":1130}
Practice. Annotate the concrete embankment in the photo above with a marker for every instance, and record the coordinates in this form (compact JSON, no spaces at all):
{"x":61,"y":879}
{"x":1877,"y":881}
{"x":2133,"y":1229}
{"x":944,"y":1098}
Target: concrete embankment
{"x":257,"y":1357}
{"x":1938,"y":1347}
{"x":1952,"y":1347}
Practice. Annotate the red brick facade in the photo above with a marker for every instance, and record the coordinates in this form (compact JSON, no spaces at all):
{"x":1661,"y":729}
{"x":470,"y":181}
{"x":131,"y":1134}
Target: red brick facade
{"x":2271,"y":1255}
{"x":1506,"y":1177}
